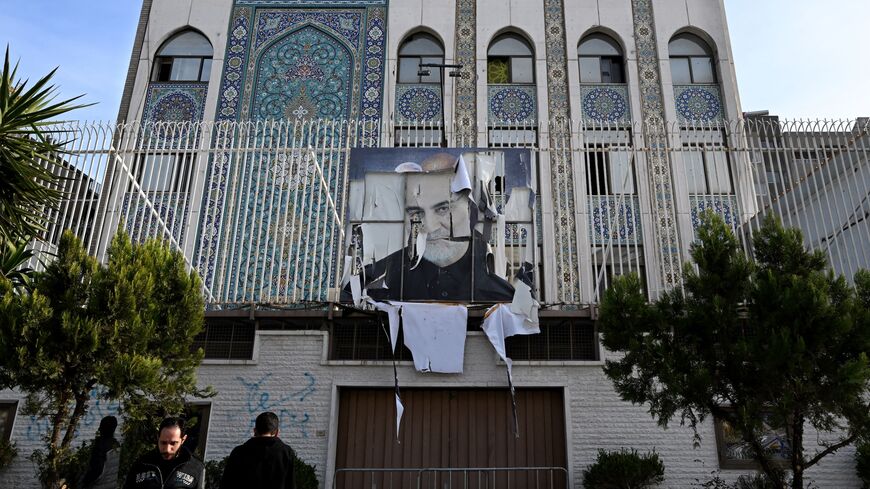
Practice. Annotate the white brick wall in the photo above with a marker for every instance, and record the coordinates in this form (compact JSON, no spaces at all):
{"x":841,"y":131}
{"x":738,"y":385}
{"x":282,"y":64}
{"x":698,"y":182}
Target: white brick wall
{"x":291,"y":377}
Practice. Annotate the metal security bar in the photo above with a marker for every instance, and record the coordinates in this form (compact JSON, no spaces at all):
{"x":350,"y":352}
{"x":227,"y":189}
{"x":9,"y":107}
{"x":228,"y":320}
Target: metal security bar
{"x":453,"y":478}
{"x":258,"y":208}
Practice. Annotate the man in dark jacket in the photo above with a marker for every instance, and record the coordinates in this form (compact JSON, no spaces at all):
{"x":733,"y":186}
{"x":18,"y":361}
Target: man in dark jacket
{"x":263,"y":462}
{"x":171,"y":466}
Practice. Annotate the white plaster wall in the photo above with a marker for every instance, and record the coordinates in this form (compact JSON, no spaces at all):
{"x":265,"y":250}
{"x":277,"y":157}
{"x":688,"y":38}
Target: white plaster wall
{"x":168,"y":17}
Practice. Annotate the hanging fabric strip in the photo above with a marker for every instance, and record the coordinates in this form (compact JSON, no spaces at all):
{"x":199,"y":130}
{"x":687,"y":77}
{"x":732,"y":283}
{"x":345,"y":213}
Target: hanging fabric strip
{"x":400,"y":408}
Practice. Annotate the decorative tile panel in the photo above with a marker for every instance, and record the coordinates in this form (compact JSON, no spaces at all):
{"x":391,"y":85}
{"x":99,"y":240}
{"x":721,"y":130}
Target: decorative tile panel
{"x":174,"y":102}
{"x":698,"y":103}
{"x":511,"y":104}
{"x":605,"y":103}
{"x":418,"y":102}
{"x":465,"y":109}
{"x":614,"y":219}
{"x":649,"y":76}
{"x":561,"y":166}
{"x":296,"y":60}
{"x":723,"y":205}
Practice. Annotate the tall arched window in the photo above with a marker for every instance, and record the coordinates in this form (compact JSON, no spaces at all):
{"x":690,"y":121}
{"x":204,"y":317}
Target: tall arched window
{"x":417,"y":49}
{"x":691,"y":60}
{"x":510,"y":59}
{"x":601,"y":60}
{"x":186,"y":56}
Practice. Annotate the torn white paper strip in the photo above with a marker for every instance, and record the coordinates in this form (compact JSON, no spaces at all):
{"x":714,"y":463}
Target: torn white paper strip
{"x":356,"y":290}
{"x":400,"y":409}
{"x":461,"y":180}
{"x":523,"y":303}
{"x":348,"y":266}
{"x":500,"y":323}
{"x":500,"y":255}
{"x":420,"y":247}
{"x":517,"y":207}
{"x":392,"y":311}
{"x":435,"y":334}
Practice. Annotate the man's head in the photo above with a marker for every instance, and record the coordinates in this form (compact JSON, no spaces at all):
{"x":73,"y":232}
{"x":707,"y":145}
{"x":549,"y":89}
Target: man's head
{"x":171,"y":437}
{"x":441,"y":214}
{"x":266,"y":424}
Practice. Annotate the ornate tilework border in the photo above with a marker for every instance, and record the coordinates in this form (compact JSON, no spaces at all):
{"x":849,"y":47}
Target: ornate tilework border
{"x":244,"y":39}
{"x":653,"y":112}
{"x":614,"y":219}
{"x":561,"y":167}
{"x":174,"y":102}
{"x":465,"y":105}
{"x":512,"y":104}
{"x":605,"y":103}
{"x":723,"y":205}
{"x":698,"y":103}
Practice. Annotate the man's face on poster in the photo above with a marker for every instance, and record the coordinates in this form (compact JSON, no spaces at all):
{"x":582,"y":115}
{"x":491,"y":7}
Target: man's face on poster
{"x":440,"y":213}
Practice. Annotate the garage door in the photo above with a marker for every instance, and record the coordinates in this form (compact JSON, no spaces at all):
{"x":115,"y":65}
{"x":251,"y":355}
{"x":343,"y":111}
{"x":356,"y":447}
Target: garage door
{"x":450,"y":429}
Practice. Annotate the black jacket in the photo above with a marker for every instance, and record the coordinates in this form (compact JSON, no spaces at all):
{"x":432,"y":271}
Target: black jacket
{"x":263,"y":462}
{"x":184,"y":471}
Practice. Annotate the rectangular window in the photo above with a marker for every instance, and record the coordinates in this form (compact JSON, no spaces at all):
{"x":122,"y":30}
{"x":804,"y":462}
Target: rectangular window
{"x":717,"y":172}
{"x":590,"y":70}
{"x":226,"y":339}
{"x":196,"y":417}
{"x":522,"y":70}
{"x":560,"y":339}
{"x":205,"y":73}
{"x":702,"y":70}
{"x":364,"y":339}
{"x":680,"y":74}
{"x":610,"y":173}
{"x":164,"y":172}
{"x":434,"y":75}
{"x":7,"y":418}
{"x":408,"y":69}
{"x":621,"y":174}
{"x":497,"y":70}
{"x":185,"y":69}
{"x":696,"y":179}
{"x":736,"y":453}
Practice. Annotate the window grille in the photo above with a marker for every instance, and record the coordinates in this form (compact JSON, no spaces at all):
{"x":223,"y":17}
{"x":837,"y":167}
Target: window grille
{"x":560,"y":339}
{"x":364,"y":339}
{"x":224,"y":339}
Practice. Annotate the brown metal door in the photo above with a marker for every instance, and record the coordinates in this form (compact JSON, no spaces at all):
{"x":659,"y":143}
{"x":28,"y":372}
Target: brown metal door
{"x":450,"y":428}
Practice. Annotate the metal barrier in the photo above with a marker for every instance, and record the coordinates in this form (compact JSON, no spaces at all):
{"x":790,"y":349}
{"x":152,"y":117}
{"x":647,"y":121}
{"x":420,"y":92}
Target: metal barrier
{"x":258,"y":208}
{"x":452,"y":478}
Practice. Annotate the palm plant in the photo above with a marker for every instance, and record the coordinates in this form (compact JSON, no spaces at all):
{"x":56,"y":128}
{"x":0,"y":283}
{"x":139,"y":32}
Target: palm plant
{"x":29,"y":157}
{"x":13,"y":257}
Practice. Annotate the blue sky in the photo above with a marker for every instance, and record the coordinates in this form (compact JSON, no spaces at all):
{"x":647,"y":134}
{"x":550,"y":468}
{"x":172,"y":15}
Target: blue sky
{"x":796,"y":58}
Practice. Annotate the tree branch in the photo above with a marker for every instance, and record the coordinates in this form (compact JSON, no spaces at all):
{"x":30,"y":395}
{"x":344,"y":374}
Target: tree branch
{"x":831,"y":449}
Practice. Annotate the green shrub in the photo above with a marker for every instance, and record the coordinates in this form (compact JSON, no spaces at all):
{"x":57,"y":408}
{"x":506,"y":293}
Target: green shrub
{"x":8,"y":452}
{"x":862,"y":463}
{"x":625,"y":469}
{"x":306,"y":478}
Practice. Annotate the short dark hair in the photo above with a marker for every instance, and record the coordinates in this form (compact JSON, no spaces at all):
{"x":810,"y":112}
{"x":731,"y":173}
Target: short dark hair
{"x":172,"y":423}
{"x":266,"y":424}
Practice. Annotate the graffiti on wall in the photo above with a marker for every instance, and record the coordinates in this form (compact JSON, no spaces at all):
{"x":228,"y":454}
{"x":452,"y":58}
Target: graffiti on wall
{"x":289,"y":407}
{"x":38,"y":427}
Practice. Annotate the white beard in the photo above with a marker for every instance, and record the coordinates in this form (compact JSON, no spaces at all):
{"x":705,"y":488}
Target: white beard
{"x":444,"y":252}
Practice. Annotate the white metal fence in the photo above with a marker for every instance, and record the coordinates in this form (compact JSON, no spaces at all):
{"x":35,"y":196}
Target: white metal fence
{"x":259,"y":208}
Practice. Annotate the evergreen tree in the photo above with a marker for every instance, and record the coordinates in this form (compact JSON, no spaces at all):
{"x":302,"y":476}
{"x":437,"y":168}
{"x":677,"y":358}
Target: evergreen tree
{"x":772,"y":341}
{"x":125,"y":328}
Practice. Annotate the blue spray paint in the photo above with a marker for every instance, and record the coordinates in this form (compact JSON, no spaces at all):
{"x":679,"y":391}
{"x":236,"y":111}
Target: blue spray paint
{"x":258,"y":398}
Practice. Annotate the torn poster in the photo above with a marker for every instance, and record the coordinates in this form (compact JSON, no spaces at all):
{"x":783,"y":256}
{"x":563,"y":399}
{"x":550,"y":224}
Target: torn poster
{"x":501,"y":322}
{"x":441,"y":224}
{"x":435,"y":334}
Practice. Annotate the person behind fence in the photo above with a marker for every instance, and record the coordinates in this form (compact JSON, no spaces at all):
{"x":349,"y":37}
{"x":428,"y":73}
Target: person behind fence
{"x":170,"y":465}
{"x":262,"y":462}
{"x":102,"y":470}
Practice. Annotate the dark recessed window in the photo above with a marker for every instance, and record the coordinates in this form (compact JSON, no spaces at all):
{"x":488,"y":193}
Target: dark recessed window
{"x":691,"y":60}
{"x":601,"y":60}
{"x":364,"y":339}
{"x":510,"y":59}
{"x":186,"y":56}
{"x":226,"y":339}
{"x":560,"y":339}
{"x":7,"y":417}
{"x":420,"y":48}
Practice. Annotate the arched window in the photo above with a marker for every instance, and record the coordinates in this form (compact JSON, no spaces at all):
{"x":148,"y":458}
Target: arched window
{"x":601,"y":60}
{"x":186,"y":56}
{"x":691,"y":60}
{"x":510,"y":59}
{"x":420,"y":48}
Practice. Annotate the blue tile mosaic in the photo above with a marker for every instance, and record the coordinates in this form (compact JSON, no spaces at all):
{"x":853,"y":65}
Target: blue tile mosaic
{"x":698,"y":103}
{"x":614,"y":219}
{"x":512,"y":104}
{"x":604,"y":103}
{"x":418,"y":102}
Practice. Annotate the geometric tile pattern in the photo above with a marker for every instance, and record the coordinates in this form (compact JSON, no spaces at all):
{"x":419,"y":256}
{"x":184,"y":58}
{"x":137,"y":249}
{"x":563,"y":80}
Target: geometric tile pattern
{"x":418,"y":102}
{"x":465,"y":106}
{"x":652,"y":108}
{"x":604,"y":103}
{"x":561,"y":166}
{"x":293,"y":60}
{"x":174,"y":102}
{"x":698,"y":103}
{"x":614,"y":219}
{"x":512,"y":104}
{"x":170,"y":207}
{"x":725,"y":206}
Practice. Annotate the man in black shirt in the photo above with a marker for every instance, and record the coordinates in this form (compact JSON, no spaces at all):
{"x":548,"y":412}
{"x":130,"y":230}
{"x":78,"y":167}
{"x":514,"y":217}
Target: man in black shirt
{"x":170,"y":466}
{"x":263,"y":462}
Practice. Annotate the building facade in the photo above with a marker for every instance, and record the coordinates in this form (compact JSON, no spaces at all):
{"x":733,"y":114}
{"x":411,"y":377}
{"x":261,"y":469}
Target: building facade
{"x":241,"y":127}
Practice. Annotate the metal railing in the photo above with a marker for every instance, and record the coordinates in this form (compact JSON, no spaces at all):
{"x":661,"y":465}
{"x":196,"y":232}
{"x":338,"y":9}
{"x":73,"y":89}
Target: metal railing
{"x":452,"y":478}
{"x":258,"y":209}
